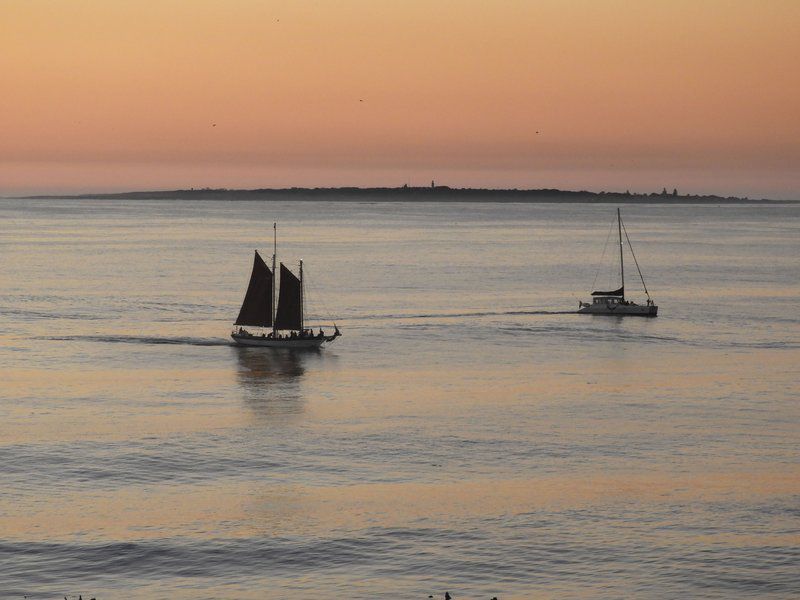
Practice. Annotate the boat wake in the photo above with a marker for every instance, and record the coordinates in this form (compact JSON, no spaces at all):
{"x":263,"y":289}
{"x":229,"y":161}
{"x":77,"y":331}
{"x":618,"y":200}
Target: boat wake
{"x":131,"y":339}
{"x":464,"y":314}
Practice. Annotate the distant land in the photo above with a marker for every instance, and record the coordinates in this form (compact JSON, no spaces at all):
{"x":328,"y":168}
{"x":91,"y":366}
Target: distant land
{"x":439,"y":193}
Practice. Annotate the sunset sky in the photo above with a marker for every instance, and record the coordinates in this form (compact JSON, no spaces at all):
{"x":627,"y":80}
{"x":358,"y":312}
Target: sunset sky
{"x":109,"y":95}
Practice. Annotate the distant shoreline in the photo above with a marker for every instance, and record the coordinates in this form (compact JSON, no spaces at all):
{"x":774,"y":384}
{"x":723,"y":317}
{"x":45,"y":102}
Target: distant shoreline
{"x":416,"y":194}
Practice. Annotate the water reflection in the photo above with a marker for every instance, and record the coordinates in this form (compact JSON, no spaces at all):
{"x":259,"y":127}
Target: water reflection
{"x":271,"y":381}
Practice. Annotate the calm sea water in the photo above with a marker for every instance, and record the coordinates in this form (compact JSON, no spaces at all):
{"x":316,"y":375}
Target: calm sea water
{"x":467,"y":434}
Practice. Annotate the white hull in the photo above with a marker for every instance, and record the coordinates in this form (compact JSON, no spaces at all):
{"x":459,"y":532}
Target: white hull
{"x":620,"y":310}
{"x":296,"y":343}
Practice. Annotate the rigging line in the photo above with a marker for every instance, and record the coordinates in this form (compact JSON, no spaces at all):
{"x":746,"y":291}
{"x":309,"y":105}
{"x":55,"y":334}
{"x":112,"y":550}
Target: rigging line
{"x":636,"y":262}
{"x":311,"y":292}
{"x":312,"y":305}
{"x":605,"y":247}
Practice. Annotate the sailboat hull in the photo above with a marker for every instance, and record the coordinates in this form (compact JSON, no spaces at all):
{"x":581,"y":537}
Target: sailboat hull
{"x":619,"y":310}
{"x":292,"y":343}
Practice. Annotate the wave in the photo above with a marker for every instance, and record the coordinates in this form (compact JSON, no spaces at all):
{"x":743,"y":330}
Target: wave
{"x":45,"y":562}
{"x":482,"y":559}
{"x":596,"y":334}
{"x":43,"y":314}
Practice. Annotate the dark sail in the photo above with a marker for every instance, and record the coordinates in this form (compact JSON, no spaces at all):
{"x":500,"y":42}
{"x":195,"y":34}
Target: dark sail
{"x":257,"y":306}
{"x":289,"y":315}
{"x":619,"y":292}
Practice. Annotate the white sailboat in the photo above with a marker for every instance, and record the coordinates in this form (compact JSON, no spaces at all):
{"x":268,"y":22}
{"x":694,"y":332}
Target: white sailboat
{"x":614,"y":302}
{"x":280,"y":325}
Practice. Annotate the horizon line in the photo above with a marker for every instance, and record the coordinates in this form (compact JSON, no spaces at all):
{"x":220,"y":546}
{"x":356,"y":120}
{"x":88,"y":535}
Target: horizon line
{"x":397,"y":190}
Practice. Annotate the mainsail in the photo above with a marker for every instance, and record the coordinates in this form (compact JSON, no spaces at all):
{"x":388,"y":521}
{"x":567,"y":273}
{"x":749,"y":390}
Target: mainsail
{"x":290,"y":302}
{"x":257,"y":306}
{"x":619,"y":292}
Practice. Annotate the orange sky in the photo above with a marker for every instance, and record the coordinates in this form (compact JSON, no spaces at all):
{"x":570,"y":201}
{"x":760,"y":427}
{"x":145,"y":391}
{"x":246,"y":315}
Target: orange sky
{"x":130,"y":94}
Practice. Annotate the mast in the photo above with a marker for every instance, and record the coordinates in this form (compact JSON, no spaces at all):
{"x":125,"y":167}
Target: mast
{"x":274,"y":275}
{"x":621,"y":263}
{"x":302,"y":296}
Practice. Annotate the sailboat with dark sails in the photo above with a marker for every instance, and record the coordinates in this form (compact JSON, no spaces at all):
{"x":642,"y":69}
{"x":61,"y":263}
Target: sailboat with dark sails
{"x":281,"y":326}
{"x":614,"y":302}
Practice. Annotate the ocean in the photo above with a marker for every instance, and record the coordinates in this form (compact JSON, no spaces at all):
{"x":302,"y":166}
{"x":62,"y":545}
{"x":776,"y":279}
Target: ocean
{"x":468,"y":433}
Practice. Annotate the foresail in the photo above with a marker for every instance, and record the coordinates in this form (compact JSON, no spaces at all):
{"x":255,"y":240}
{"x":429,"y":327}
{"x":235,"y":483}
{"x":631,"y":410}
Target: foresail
{"x":290,"y":309}
{"x":256,"y":309}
